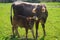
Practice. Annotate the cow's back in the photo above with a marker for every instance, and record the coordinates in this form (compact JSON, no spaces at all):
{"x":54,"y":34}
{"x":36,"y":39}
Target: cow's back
{"x":23,"y":8}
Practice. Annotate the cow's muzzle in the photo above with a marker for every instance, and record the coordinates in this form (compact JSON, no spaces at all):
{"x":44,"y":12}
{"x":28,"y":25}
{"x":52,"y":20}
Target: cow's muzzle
{"x":43,"y":9}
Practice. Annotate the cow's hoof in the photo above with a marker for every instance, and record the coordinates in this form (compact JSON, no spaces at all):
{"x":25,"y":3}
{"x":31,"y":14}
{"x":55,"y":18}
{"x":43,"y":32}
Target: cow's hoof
{"x":44,"y":35}
{"x":18,"y":36}
{"x":35,"y":39}
{"x":26,"y":38}
{"x":12,"y":36}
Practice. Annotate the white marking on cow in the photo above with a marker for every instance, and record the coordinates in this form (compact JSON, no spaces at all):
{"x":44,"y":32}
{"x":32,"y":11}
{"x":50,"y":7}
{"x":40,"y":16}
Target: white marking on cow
{"x":19,"y":2}
{"x":43,"y":9}
{"x":34,"y":10}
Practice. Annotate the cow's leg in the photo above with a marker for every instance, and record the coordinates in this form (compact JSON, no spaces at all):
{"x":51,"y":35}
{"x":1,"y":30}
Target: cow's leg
{"x":37,"y":24}
{"x":26,"y":33}
{"x":32,"y":32}
{"x":43,"y":26}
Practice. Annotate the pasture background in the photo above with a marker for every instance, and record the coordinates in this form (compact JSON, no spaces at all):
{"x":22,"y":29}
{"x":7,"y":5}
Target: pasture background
{"x":52,"y":24}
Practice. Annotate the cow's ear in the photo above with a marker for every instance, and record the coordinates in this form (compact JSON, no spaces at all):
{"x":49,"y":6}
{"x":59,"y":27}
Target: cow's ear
{"x":34,"y":10}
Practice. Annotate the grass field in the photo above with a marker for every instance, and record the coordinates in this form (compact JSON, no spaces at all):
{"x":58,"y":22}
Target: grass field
{"x":52,"y":24}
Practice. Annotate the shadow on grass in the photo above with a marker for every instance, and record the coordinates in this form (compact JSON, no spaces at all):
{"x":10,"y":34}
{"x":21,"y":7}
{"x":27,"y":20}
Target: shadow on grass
{"x":21,"y":38}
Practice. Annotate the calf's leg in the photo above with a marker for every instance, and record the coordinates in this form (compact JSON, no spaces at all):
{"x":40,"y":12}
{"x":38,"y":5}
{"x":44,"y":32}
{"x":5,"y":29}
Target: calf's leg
{"x":16,"y":31}
{"x":13,"y":29}
{"x":32,"y":32}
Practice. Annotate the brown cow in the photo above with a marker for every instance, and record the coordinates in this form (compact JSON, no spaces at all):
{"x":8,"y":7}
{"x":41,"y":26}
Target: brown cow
{"x":22,"y":22}
{"x":31,"y":11}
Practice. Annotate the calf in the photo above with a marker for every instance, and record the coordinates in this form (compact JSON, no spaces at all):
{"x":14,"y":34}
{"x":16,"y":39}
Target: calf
{"x":21,"y":22}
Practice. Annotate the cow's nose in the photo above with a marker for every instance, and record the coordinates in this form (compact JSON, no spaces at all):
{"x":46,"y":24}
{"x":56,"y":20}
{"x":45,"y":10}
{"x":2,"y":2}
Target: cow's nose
{"x":43,"y":9}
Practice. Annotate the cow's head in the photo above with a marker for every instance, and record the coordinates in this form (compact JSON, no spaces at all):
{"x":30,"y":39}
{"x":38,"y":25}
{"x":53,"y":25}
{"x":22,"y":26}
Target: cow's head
{"x":39,"y":9}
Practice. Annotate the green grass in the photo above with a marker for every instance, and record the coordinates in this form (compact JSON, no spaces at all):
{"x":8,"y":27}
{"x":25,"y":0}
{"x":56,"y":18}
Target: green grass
{"x":52,"y":24}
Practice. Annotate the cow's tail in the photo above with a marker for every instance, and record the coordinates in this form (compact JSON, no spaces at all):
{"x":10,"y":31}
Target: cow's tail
{"x":11,"y":15}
